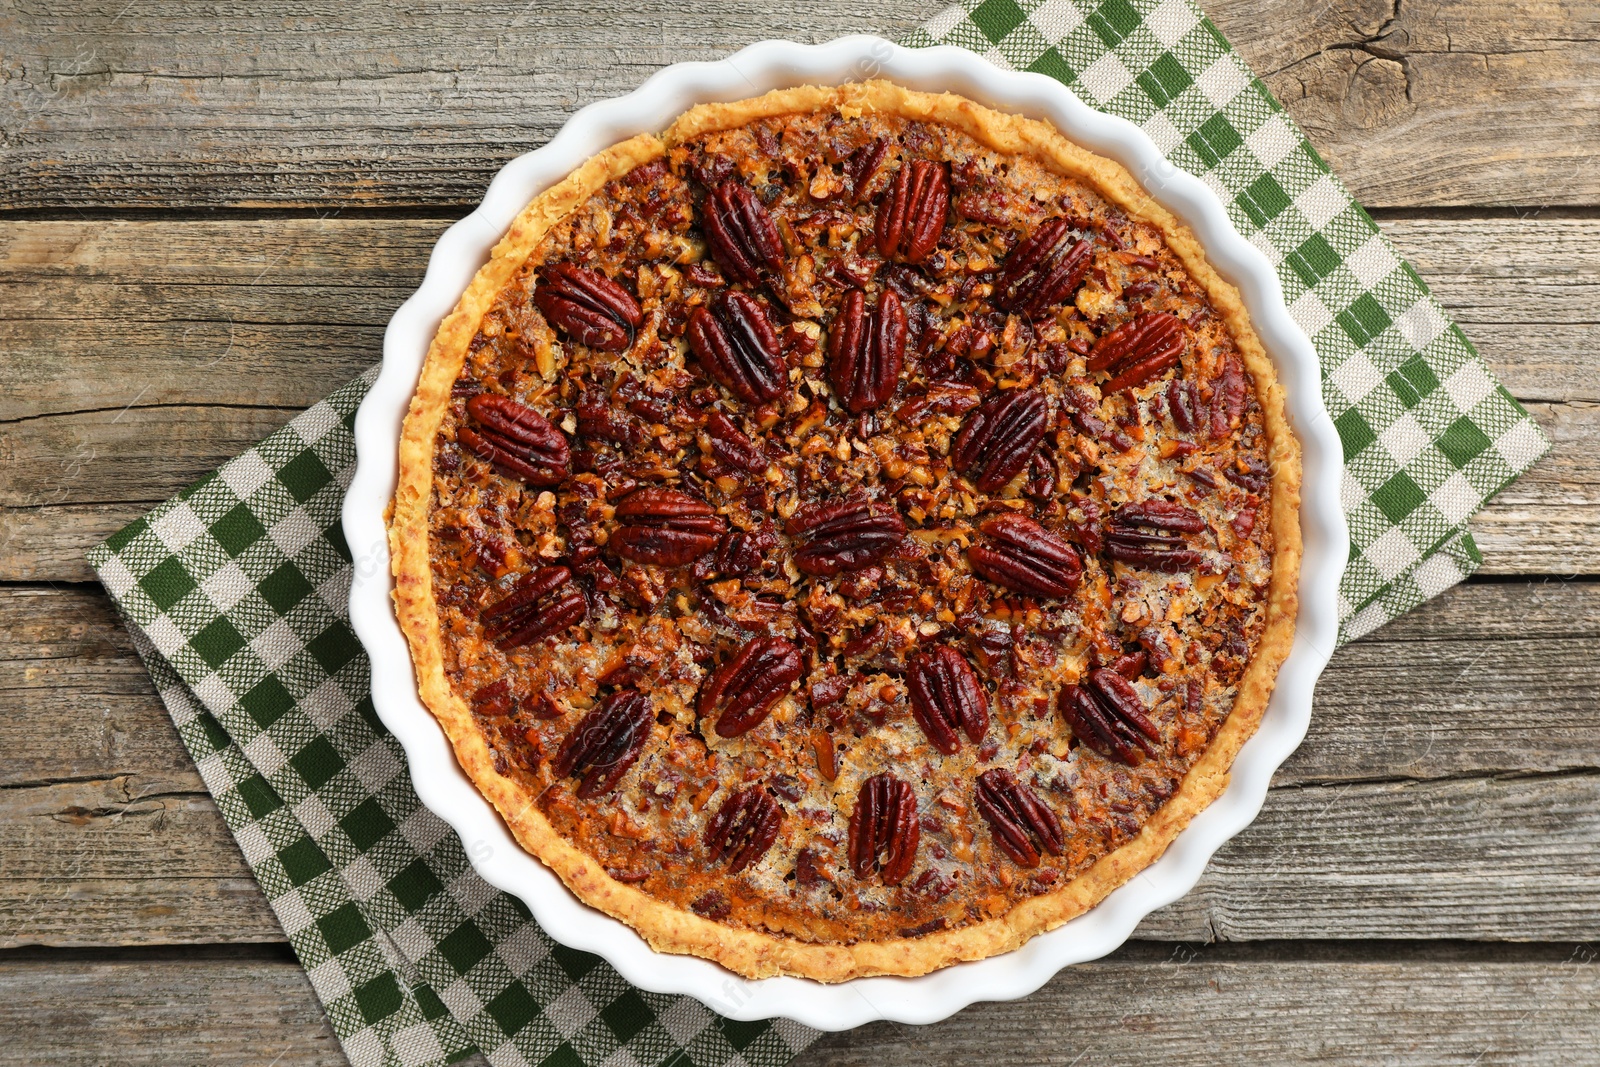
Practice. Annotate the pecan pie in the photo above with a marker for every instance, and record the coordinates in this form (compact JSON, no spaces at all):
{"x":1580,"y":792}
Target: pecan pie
{"x":849,"y":533}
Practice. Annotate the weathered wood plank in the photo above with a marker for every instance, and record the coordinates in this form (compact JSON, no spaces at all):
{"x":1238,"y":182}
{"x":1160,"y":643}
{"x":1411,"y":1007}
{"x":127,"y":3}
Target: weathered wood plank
{"x":1499,"y":681}
{"x":1452,"y":858}
{"x":1548,"y":521}
{"x":261,"y":312}
{"x":210,"y":1010}
{"x":1450,"y":102}
{"x":1471,"y":664}
{"x":1450,"y":688}
{"x":1145,"y":1004}
{"x":157,"y":107}
{"x":279,"y":310}
{"x":1190,"y":1009}
{"x":107,"y":861}
{"x":144,"y":353}
{"x":1462,"y":102}
{"x":78,"y":703}
{"x":1525,"y":290}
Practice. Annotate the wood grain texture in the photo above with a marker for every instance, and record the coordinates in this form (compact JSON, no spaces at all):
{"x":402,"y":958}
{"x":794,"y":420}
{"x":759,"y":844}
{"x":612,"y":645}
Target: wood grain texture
{"x":1548,"y":521}
{"x":142,"y":354}
{"x":88,"y":864}
{"x":212,"y":1010}
{"x":1450,"y":783}
{"x":1438,"y":102}
{"x":1472,"y":664}
{"x":1190,"y":1008}
{"x":1469,"y":808}
{"x":1148,"y":1004}
{"x":114,"y":106}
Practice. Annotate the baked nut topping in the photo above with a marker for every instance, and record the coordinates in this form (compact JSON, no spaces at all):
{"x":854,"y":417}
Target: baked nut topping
{"x":848,"y":535}
{"x":587,"y":306}
{"x":884,"y":830}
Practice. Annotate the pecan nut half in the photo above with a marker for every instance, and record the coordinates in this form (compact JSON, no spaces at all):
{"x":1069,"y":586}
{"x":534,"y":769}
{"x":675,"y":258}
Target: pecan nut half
{"x":1228,"y":394}
{"x":884,"y":829}
{"x":542,"y":603}
{"x":587,"y":306}
{"x":1023,"y":825}
{"x":517,"y":440}
{"x":844,"y":536}
{"x":741,"y":234}
{"x":736,"y":343}
{"x":665,"y":527}
{"x":1001,"y":437}
{"x":744,"y":828}
{"x":1146,"y":534}
{"x":1043,"y":270}
{"x":1026,"y":558}
{"x":866,"y":350}
{"x":1137,"y":351}
{"x":605,"y":743}
{"x":732,"y":446}
{"x":1183,"y":404}
{"x":945,"y":696}
{"x":743,"y":690}
{"x":912,"y":213}
{"x":1105,"y":713}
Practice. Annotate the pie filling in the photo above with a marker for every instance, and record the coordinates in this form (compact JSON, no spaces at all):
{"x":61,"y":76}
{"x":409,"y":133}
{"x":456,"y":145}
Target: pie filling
{"x":845,"y":531}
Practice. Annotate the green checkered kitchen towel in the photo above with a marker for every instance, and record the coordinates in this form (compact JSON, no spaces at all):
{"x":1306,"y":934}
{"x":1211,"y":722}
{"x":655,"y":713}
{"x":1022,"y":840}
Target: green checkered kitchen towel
{"x":235,"y":590}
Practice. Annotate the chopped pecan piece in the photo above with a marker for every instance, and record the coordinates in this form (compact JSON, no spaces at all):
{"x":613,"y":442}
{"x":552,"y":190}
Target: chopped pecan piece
{"x":945,"y":696}
{"x":542,"y":603}
{"x":912,"y":213}
{"x":713,"y":904}
{"x":587,"y":306}
{"x":1227,"y":398}
{"x":495,"y":700}
{"x":743,"y":690}
{"x":517,"y":440}
{"x":666,"y":527}
{"x":744,"y":828}
{"x":731,"y":446}
{"x":1043,"y":270}
{"x":605,"y":743}
{"x":1183,"y":405}
{"x":1022,"y":823}
{"x":1137,"y":351}
{"x":884,"y":829}
{"x":863,"y":164}
{"x":1083,"y":410}
{"x":1026,"y":558}
{"x":599,"y":421}
{"x":866,"y":350}
{"x":844,"y":536}
{"x":1001,"y":437}
{"x":741,"y":234}
{"x":1105,"y":713}
{"x":736,"y":343}
{"x":1129,"y":539}
{"x":1249,"y":473}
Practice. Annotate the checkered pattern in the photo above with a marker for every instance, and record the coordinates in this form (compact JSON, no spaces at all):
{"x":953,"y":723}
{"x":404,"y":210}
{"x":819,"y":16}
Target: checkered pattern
{"x":235,"y":590}
{"x":1428,"y":434}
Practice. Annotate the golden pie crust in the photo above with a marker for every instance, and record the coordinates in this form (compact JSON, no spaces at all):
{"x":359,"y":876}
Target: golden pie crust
{"x":669,"y":927}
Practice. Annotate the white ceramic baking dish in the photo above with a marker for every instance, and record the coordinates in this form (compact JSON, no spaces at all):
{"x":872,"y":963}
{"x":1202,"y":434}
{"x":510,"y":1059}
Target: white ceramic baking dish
{"x":446,"y":790}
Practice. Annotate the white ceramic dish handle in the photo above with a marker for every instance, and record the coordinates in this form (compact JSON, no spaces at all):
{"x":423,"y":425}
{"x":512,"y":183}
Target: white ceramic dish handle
{"x":446,"y":790}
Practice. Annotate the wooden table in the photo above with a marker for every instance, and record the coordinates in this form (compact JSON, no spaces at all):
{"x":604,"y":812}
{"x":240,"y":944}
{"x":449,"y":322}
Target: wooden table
{"x":205,"y":222}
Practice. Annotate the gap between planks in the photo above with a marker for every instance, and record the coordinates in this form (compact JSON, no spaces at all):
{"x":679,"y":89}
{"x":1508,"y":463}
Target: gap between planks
{"x":1473,"y":804}
{"x":1451,"y":102}
{"x":1283,"y":1003}
{"x":143,"y":354}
